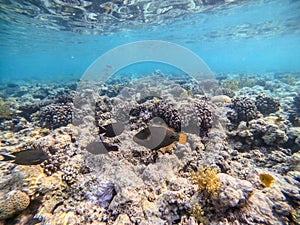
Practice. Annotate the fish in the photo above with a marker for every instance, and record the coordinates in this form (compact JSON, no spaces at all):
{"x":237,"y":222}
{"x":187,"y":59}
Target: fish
{"x":157,"y":137}
{"x":26,"y":157}
{"x":266,"y":179}
{"x":278,"y":120}
{"x":100,"y":147}
{"x":112,"y":129}
{"x":156,"y":99}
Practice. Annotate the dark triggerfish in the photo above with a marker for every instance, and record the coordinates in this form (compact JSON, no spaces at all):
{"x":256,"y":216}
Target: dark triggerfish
{"x":26,"y":157}
{"x":98,"y":147}
{"x":156,"y":137}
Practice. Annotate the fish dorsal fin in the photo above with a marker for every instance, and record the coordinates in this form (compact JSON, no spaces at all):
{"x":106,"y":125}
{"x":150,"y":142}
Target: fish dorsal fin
{"x":158,"y":121}
{"x":144,"y":134}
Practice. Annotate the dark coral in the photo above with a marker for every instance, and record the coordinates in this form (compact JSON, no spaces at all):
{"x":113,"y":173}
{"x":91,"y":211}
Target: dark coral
{"x":143,"y":113}
{"x":204,"y":116}
{"x":297,"y":103}
{"x":168,"y":113}
{"x":294,"y":112}
{"x":27,"y":109}
{"x":266,"y":105}
{"x":55,"y":115}
{"x":103,"y":108}
{"x":244,"y":110}
{"x":64,"y":98}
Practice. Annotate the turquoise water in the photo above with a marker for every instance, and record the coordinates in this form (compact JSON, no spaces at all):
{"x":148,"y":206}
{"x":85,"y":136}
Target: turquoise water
{"x":248,"y":37}
{"x":79,"y":148}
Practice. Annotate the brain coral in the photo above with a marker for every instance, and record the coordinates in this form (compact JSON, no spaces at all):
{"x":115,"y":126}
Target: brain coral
{"x":14,"y":202}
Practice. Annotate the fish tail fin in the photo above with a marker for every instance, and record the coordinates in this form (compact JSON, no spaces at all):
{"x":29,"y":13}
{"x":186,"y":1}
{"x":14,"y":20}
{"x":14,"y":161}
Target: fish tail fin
{"x":5,"y":157}
{"x":110,"y":147}
{"x":113,"y":148}
{"x":182,"y":138}
{"x":102,"y":130}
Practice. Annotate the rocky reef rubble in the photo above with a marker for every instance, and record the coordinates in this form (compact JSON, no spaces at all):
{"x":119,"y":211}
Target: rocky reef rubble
{"x":212,"y":179}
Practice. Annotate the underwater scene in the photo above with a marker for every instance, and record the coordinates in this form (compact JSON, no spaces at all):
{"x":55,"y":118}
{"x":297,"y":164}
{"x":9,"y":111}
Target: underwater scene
{"x":150,"y":112}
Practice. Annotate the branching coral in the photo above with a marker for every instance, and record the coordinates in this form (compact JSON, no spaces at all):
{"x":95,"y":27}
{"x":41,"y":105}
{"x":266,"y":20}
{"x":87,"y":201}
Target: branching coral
{"x":198,"y":213}
{"x":207,"y":180}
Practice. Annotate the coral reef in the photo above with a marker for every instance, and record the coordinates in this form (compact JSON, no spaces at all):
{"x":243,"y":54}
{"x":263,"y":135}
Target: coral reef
{"x":136,"y":185}
{"x":262,"y":132}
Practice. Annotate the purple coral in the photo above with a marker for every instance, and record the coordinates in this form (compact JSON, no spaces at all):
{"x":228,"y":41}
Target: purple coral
{"x":102,"y":194}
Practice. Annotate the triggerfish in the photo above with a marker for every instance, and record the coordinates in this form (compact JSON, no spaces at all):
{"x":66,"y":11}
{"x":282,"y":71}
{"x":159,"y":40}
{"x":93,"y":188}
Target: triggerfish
{"x":26,"y":157}
{"x":156,"y":137}
{"x":97,"y":148}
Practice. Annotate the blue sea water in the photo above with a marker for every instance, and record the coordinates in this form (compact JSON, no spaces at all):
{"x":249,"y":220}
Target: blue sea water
{"x":243,"y":37}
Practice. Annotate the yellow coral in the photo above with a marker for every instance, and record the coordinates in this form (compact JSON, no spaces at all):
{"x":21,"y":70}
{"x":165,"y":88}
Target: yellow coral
{"x":206,"y":179}
{"x":198,"y":213}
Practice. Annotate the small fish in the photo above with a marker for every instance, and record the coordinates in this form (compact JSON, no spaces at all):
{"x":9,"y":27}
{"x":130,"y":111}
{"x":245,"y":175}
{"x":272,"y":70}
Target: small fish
{"x":112,"y":129}
{"x":266,"y":179}
{"x":26,"y":157}
{"x":97,"y":148}
{"x":156,"y":99}
{"x":156,"y":137}
{"x":278,"y":120}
